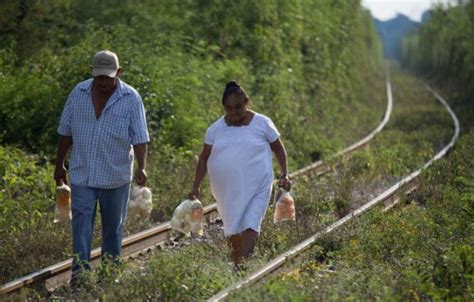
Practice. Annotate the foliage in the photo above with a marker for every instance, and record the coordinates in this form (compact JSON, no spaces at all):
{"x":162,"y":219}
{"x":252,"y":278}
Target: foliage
{"x":294,"y":65}
{"x":24,"y":192}
{"x":171,"y":276}
{"x":443,"y":50}
{"x":304,"y":63}
{"x":26,"y":195}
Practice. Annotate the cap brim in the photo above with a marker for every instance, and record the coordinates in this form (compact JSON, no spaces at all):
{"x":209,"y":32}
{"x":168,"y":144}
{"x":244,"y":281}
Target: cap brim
{"x":104,"y":72}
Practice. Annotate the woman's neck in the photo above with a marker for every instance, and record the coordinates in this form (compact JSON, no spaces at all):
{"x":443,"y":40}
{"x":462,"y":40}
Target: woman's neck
{"x":244,"y":122}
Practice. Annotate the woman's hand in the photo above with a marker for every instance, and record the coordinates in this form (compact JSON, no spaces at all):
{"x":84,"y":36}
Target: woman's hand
{"x":285,"y":182}
{"x":194,"y":194}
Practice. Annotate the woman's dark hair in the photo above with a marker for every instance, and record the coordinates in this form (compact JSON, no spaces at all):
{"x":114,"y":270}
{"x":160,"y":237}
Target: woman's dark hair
{"x":231,"y":88}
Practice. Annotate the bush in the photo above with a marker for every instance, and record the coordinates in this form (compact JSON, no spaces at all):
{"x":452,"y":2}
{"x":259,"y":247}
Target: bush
{"x":307,"y":73}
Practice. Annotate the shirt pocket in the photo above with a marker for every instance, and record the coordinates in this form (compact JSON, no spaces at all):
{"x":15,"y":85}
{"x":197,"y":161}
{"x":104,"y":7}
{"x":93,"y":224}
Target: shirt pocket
{"x":116,"y":128}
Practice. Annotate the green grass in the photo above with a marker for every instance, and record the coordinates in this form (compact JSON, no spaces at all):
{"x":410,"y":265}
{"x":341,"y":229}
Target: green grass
{"x":419,"y":251}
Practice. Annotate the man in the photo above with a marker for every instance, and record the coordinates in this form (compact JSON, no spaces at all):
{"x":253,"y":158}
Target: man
{"x":102,"y":119}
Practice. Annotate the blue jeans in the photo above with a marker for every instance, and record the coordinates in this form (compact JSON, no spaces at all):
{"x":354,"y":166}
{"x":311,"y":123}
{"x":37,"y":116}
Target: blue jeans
{"x":113,"y":210}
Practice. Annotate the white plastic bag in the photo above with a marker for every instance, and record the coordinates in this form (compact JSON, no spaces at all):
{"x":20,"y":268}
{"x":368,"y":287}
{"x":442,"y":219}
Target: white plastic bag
{"x":188,"y":217}
{"x":62,"y":211}
{"x":140,"y":203}
{"x":284,"y":207}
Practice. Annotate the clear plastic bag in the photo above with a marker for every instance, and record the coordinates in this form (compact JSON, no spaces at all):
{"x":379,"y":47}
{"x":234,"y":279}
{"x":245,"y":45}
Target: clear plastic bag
{"x":140,"y":203}
{"x":62,"y":212}
{"x":284,"y":207}
{"x":188,"y":217}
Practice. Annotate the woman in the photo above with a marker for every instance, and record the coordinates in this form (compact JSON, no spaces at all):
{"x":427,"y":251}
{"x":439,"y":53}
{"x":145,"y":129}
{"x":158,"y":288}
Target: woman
{"x":238,"y":156}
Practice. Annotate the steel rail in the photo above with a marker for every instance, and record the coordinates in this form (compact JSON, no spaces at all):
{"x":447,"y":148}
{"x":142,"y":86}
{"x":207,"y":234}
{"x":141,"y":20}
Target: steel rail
{"x":407,"y":183}
{"x":58,"y":274}
{"x":364,"y":141}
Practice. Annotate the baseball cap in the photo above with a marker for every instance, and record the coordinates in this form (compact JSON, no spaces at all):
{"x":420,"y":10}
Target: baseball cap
{"x":105,"y":63}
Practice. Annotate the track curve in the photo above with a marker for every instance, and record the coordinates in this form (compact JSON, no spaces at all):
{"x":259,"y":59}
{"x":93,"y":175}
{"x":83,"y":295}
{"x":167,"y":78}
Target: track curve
{"x":389,"y":196}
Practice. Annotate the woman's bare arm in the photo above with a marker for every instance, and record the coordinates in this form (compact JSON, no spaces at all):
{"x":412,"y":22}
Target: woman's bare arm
{"x":280,"y":153}
{"x":201,"y":171}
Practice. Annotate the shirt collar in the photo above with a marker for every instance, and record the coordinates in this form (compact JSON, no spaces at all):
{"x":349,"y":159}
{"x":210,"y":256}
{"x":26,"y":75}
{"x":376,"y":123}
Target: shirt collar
{"x":122,"y":88}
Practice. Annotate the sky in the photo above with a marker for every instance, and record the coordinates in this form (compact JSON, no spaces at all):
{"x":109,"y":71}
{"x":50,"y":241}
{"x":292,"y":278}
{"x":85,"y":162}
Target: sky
{"x":387,"y":9}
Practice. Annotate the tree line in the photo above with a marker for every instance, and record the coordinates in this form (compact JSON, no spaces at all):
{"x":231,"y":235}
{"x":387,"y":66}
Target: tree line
{"x":443,"y":48}
{"x":304,"y":61}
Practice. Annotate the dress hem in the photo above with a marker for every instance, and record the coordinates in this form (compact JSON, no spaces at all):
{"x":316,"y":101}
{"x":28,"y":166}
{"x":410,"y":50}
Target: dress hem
{"x":252,"y":228}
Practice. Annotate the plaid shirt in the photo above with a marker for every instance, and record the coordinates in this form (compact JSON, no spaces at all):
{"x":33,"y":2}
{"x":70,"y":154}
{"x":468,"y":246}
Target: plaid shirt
{"x":102,"y":153}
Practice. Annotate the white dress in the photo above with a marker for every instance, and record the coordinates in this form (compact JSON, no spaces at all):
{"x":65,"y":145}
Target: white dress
{"x":240,"y":171}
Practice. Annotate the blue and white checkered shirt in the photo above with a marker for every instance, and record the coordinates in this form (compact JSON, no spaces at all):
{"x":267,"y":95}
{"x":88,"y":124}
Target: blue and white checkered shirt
{"x":102,"y":152}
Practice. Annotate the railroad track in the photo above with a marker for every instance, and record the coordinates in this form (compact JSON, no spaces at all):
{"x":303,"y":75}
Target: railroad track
{"x":389,"y":197}
{"x":59,"y":274}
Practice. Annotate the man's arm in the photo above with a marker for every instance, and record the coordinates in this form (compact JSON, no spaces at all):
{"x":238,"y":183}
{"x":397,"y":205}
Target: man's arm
{"x":64,"y":144}
{"x":140,"y":151}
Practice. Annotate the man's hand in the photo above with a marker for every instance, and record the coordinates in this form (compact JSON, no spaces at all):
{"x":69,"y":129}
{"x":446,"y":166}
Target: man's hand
{"x":64,"y":144}
{"x":140,"y":177}
{"x":60,"y":175}
{"x":140,"y":151}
